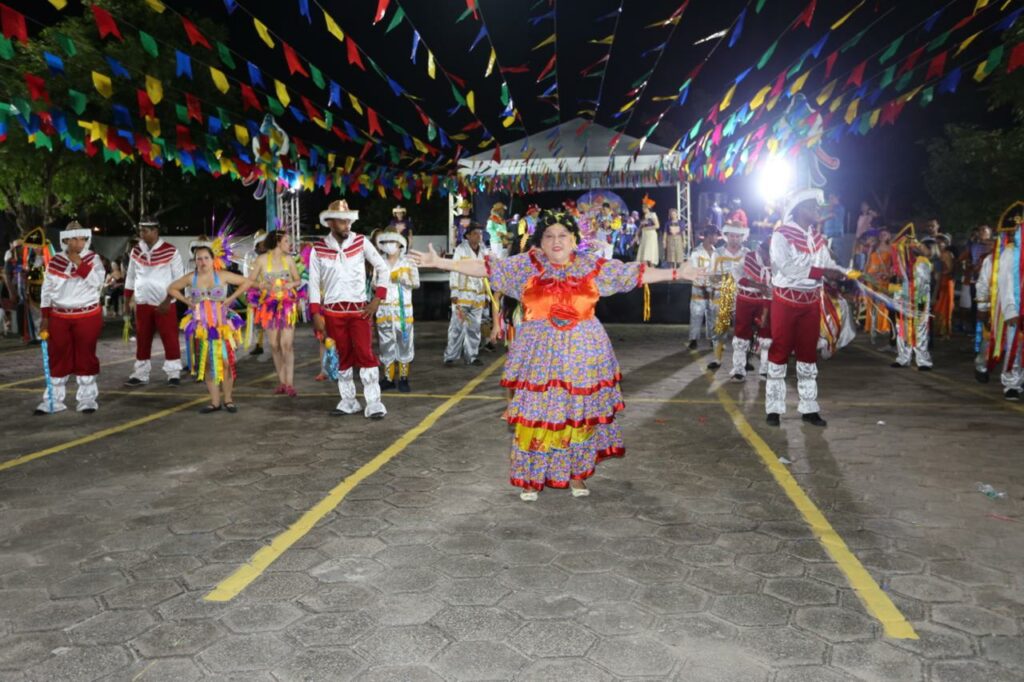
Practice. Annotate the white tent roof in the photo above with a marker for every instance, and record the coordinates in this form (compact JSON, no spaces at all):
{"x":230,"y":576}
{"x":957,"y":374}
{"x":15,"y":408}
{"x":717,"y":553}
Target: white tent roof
{"x":561,"y":150}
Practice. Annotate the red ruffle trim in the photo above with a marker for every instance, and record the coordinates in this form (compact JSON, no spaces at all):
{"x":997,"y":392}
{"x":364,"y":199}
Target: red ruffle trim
{"x":564,"y":385}
{"x":575,"y":423}
{"x":534,"y":485}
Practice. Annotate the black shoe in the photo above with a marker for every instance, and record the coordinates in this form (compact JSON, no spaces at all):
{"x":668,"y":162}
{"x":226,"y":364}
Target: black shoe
{"x":773,"y":419}
{"x":449,"y":363}
{"x":403,"y":386}
{"x":738,"y":378}
{"x":924,"y":368}
{"x":258,"y":350}
{"x":40,"y":413}
{"x":132,"y":381}
{"x":231,"y":407}
{"x":89,"y":410}
{"x":749,"y":367}
{"x":714,"y":365}
{"x":207,"y":409}
{"x":897,"y":365}
{"x":174,"y":381}
{"x":387,"y":385}
{"x":1012,"y":394}
{"x":692,"y":345}
{"x":475,"y":362}
{"x":490,"y":347}
{"x":981,"y":377}
{"x":814,"y":419}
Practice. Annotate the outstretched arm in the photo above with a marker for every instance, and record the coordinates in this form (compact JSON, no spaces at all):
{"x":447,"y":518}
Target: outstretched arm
{"x":471,"y":267}
{"x":687,"y":272}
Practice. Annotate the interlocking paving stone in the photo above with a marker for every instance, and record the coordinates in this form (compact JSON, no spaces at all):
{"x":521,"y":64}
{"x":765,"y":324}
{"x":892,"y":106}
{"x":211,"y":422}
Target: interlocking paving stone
{"x":751,"y":609}
{"x":111,"y":627}
{"x":244,"y":653}
{"x":402,"y":645}
{"x":178,"y":638}
{"x":80,"y":663}
{"x":550,"y":639}
{"x":320,"y":664}
{"x":876,"y":661}
{"x":777,"y":646}
{"x":553,"y":670}
{"x":400,"y":674}
{"x":973,"y":619}
{"x":466,"y":623}
{"x":801,"y":591}
{"x":479,"y":661}
{"x":634,"y":656}
{"x":835,"y":624}
{"x":261,"y":617}
{"x":20,"y":651}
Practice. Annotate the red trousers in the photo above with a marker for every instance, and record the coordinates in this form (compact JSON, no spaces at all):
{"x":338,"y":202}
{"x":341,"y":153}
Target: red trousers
{"x":354,"y":337}
{"x":148,"y":323}
{"x":752,"y":315}
{"x":796,"y":327}
{"x":72,"y":343}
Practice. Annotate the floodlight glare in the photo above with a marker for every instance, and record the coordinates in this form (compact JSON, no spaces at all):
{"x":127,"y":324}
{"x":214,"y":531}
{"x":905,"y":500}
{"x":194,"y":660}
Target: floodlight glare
{"x":775,"y":179}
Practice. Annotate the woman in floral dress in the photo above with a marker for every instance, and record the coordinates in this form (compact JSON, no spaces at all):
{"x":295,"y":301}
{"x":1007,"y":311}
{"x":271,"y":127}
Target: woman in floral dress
{"x":561,"y":364}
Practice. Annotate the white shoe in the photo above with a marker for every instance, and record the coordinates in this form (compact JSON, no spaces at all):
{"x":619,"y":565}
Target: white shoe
{"x":580,"y":492}
{"x":528,"y":496}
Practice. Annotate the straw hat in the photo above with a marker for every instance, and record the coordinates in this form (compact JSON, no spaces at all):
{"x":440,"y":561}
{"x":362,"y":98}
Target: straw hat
{"x":338,"y":210}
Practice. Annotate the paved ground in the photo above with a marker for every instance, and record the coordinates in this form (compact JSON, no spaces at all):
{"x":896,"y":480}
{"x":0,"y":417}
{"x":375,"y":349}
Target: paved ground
{"x":690,"y":561}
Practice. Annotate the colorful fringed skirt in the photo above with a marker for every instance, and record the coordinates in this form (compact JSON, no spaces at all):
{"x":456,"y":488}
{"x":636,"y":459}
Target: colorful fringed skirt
{"x":212,"y":334}
{"x":275,"y":308}
{"x":566,"y":384}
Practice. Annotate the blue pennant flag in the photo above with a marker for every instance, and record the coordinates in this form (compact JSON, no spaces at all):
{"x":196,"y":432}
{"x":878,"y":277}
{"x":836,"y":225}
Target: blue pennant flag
{"x":819,"y":46}
{"x":930,"y":24}
{"x":118,"y":68}
{"x":739,"y":78}
{"x":304,"y":10}
{"x":738,"y":31}
{"x":350,"y":131}
{"x":214,"y":125}
{"x":395,"y":87}
{"x":1009,"y":20}
{"x":121,"y":116}
{"x":231,"y":6}
{"x":54,"y":63}
{"x":335,"y":97}
{"x":951,"y":81}
{"x":255,"y":77}
{"x":299,"y":116}
{"x":416,"y":45}
{"x":183,"y":64}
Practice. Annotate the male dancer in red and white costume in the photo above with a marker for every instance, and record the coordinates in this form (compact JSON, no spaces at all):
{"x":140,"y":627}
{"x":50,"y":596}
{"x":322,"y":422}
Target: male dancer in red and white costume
{"x":152,"y":266}
{"x":800,"y":259}
{"x":753,"y":301}
{"x":73,"y":319}
{"x":337,"y":299}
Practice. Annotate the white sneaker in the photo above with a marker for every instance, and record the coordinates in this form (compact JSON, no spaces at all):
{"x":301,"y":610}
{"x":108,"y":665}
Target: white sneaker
{"x":528,"y":496}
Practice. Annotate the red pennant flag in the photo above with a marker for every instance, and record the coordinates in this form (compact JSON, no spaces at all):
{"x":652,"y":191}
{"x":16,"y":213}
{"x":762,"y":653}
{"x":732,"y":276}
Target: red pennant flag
{"x":472,"y":126}
{"x":713,"y":116}
{"x":471,"y":6}
{"x":461,"y":82}
{"x":300,"y":147}
{"x":341,"y":134}
{"x":936,"y":67}
{"x":857,"y":75}
{"x":91,"y":149}
{"x":353,"y":53}
{"x":382,"y":9}
{"x":515,"y":69}
{"x":590,"y":68}
{"x":184,"y":138}
{"x":547,"y":69}
{"x":146,"y":107}
{"x":910,"y":62}
{"x":963,"y":22}
{"x":194,"y":110}
{"x":311,"y":111}
{"x":892,"y":110}
{"x":294,"y":65}
{"x":13,"y":24}
{"x":195,"y":37}
{"x":371,"y":118}
{"x":105,"y":23}
{"x":1016,"y":58}
{"x":807,"y":15}
{"x":496,"y":156}
{"x":830,"y":62}
{"x":249,"y":99}
{"x":37,"y":88}
{"x":780,"y":83}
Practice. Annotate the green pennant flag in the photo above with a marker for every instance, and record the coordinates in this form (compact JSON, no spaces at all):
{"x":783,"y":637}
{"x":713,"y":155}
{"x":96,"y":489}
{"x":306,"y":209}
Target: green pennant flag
{"x":797,"y":68}
{"x":328,"y":119}
{"x":505,"y":97}
{"x":887,"y":77}
{"x":852,"y":42}
{"x":431,"y":131}
{"x":225,"y":117}
{"x":550,"y":121}
{"x":694,"y":131}
{"x":458,"y":96}
{"x":66,"y":44}
{"x":6,"y":48}
{"x":767,"y":55}
{"x":395,"y":155}
{"x":760,"y":6}
{"x":109,"y":154}
{"x":396,"y":20}
{"x":465,"y":14}
{"x":317,"y":77}
{"x":904,"y":81}
{"x":994,"y":59}
{"x":78,"y":101}
{"x":641,"y":79}
{"x":938,"y":42}
{"x":43,"y":140}
{"x":181,"y":111}
{"x":23,"y":106}
{"x":865,"y":123}
{"x":595,"y":74}
{"x":891,"y":50}
{"x":275,"y":106}
{"x":225,"y":55}
{"x":149,"y":44}
{"x":927,"y":95}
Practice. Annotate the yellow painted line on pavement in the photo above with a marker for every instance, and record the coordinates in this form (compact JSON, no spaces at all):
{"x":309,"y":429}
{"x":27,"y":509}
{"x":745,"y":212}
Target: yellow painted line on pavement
{"x":230,"y":587}
{"x":875,"y":600}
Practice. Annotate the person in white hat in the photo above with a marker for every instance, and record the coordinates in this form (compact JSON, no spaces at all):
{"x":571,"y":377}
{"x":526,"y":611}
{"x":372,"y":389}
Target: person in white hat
{"x":73,"y":320}
{"x":468,"y":298}
{"x":800,"y":260}
{"x":727,"y":262}
{"x":338,"y":301}
{"x":753,"y":302}
{"x":702,"y":304}
{"x":395,"y":314}
{"x":152,"y":265}
{"x":401,"y":222}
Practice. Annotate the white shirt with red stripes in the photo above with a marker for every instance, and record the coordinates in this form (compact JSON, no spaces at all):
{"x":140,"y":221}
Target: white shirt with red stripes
{"x":337,"y":272}
{"x":800,"y":258}
{"x":71,"y":287}
{"x":151,"y":270}
{"x":755,"y":271}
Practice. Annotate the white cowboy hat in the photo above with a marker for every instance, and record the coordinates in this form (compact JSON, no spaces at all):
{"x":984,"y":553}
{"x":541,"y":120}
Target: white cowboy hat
{"x":391,"y":236}
{"x":338,"y":210}
{"x":75,"y":229}
{"x":736,"y":229}
{"x":798,"y":197}
{"x":398,"y":209}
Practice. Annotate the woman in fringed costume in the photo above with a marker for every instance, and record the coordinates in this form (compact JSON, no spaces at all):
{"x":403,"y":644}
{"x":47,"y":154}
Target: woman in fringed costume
{"x":945,"y":297}
{"x":212,"y":330}
{"x":561,"y":363}
{"x":275,"y":300}
{"x":881,"y":264}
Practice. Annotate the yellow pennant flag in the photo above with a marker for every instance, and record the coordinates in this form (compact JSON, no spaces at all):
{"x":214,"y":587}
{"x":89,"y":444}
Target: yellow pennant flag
{"x":471,"y":101}
{"x":980,"y":6}
{"x":155,"y":90}
{"x":282,"y":92}
{"x":874,"y":117}
{"x":798,"y":84}
{"x":979,"y":73}
{"x":604,"y":41}
{"x":663,"y":98}
{"x":826,"y":93}
{"x":846,"y":16}
{"x":508,"y":121}
{"x":628,"y":105}
{"x":332,"y":27}
{"x":103,"y":84}
{"x":966,"y":43}
{"x":772,"y":102}
{"x":59,"y":4}
{"x":547,"y":41}
{"x":219,"y":80}
{"x":264,"y":34}
{"x":153,"y":126}
{"x":760,"y":97}
{"x":332,"y":158}
{"x":773,"y":144}
{"x":356,"y":105}
{"x":851,"y":111}
{"x":241,"y":134}
{"x":156,"y":6}
{"x":431,"y":66}
{"x":836,"y":103}
{"x":727,"y":100}
{"x":418,"y":143}
{"x":912,"y":94}
{"x":490,"y":63}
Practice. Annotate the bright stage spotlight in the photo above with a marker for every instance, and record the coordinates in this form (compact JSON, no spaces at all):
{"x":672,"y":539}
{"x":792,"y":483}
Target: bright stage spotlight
{"x":775,"y":179}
